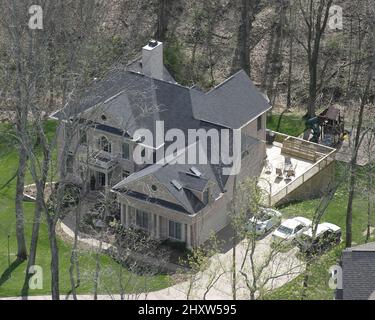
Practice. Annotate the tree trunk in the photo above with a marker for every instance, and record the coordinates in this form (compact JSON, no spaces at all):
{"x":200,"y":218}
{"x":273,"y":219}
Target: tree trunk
{"x":55,"y":291}
{"x":20,"y":219}
{"x":353,"y":163}
{"x":242,"y":55}
{"x":290,"y":62}
{"x":163,"y":20}
{"x":312,"y":87}
{"x":74,"y":261}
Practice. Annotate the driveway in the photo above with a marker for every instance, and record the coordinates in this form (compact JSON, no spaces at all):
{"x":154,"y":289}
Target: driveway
{"x":274,"y":269}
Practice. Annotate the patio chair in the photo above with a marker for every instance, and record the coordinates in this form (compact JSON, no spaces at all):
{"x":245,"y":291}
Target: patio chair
{"x":289,"y":174}
{"x":279,"y":172}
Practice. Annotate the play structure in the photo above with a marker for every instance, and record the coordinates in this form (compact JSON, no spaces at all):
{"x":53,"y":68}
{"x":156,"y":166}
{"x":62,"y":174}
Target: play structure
{"x":327,"y":128}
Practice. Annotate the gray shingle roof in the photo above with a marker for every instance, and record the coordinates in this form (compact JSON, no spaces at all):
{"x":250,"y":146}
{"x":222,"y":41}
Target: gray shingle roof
{"x":138,"y":101}
{"x":358,"y":265}
{"x":232,"y":104}
{"x":98,"y":92}
{"x":167,"y":173}
{"x":136,"y":66}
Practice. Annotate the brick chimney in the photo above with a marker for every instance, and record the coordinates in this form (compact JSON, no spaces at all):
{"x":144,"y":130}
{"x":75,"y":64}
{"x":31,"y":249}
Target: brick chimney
{"x":152,"y":59}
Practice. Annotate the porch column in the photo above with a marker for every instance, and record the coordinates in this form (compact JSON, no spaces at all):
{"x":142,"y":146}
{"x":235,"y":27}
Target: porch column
{"x":123,"y":214}
{"x":151,"y":227}
{"x":127,"y":216}
{"x":188,"y":236}
{"x":182,"y":231}
{"x":157,"y":227}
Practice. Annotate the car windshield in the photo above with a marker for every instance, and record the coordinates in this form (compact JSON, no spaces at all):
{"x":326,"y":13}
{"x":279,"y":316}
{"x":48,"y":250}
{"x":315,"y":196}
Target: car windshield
{"x":284,"y":229}
{"x":264,"y":217}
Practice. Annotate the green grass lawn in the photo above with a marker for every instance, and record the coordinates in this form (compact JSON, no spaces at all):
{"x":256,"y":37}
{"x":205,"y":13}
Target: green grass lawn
{"x":335,"y":213}
{"x":11,"y":286}
{"x":291,"y":124}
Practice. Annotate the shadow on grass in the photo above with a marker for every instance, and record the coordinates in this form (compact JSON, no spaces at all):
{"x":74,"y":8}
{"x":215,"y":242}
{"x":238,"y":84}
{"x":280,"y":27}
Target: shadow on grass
{"x":8,"y":272}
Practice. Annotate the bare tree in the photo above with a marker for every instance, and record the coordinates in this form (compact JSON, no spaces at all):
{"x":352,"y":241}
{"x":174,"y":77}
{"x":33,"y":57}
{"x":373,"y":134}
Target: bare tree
{"x":260,"y":266}
{"x":357,"y":143}
{"x":248,"y":10}
{"x":315,"y":16}
{"x":16,"y":90}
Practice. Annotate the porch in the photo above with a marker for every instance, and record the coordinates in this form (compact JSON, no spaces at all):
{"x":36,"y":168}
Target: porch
{"x":157,"y":225}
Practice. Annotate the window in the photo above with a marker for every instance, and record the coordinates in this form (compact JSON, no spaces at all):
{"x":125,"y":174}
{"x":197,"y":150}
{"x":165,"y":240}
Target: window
{"x":101,"y":178}
{"x":174,"y":230}
{"x":83,"y":136}
{"x":105,"y":145}
{"x":260,"y":123}
{"x":69,"y":163}
{"x":125,"y":150}
{"x":141,"y":219}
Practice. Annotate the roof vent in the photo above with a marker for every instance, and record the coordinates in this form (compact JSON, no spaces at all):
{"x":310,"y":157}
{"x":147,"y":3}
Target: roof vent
{"x":195,"y":171}
{"x":152,"y":43}
{"x":176,"y":184}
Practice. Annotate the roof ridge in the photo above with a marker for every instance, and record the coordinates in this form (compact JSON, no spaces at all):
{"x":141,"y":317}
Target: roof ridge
{"x":226,"y":81}
{"x":161,"y":80}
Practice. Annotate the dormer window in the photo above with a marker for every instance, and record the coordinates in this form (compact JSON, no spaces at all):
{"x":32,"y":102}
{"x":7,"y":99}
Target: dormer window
{"x":105,"y":145}
{"x":195,"y":171}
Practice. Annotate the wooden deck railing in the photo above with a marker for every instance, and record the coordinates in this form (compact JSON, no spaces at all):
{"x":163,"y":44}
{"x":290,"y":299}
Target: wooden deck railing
{"x":297,"y":147}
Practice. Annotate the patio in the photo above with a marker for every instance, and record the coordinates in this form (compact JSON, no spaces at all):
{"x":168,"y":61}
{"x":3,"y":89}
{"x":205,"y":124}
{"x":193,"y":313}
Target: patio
{"x":290,"y":162}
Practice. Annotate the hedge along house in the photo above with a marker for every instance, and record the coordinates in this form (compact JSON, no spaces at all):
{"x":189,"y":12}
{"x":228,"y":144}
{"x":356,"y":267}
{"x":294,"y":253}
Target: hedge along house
{"x":182,"y":202}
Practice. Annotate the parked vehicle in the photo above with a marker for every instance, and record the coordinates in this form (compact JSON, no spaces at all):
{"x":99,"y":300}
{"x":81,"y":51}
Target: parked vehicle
{"x":264,"y":221}
{"x":327,"y":236}
{"x":290,"y":229}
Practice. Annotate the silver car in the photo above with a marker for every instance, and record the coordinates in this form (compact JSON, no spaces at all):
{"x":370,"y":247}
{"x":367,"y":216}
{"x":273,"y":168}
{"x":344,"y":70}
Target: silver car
{"x":264,"y":221}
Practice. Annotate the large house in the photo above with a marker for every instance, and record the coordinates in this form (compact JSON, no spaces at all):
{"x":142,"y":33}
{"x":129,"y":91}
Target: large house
{"x":174,"y":200}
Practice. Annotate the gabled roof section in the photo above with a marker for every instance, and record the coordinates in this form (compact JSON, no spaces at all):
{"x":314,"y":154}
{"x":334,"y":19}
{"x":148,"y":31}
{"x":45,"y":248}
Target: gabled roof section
{"x":98,"y":92}
{"x":135,"y":101}
{"x":167,"y":174}
{"x":232,"y":104}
